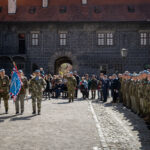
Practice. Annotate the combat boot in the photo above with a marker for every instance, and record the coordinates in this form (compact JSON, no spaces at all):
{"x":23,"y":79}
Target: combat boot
{"x":6,"y":111}
{"x":34,"y":112}
{"x":17,"y":112}
{"x":72,"y":100}
{"x":39,"y":112}
{"x":22,"y":112}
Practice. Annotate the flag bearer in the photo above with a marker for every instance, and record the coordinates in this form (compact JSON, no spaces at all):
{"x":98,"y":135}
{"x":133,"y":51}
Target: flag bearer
{"x":22,"y":93}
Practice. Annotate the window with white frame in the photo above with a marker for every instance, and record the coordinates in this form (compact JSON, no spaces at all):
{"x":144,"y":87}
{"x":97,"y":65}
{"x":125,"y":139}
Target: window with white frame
{"x":143,"y":38}
{"x":63,"y":39}
{"x":35,"y":39}
{"x":109,"y":38}
{"x":12,"y":6}
{"x":44,"y":3}
{"x":84,"y":2}
{"x":105,"y":39}
{"x":101,"y":38}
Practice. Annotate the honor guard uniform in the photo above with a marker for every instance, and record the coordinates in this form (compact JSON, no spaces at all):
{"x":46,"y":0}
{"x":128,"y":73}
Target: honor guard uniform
{"x":21,"y":96}
{"x":4,"y":88}
{"x":71,"y":85}
{"x":36,"y":87}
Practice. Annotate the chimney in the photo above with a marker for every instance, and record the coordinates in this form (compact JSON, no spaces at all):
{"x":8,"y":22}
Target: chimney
{"x":12,"y":6}
{"x":44,"y":3}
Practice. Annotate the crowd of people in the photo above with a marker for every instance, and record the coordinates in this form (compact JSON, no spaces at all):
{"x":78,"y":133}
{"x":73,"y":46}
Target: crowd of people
{"x":133,"y":90}
{"x":98,"y":86}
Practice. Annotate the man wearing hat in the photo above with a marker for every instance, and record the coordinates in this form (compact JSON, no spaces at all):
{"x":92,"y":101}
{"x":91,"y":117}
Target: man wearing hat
{"x":71,"y":85}
{"x":22,"y":93}
{"x":4,"y":88}
{"x":36,"y":87}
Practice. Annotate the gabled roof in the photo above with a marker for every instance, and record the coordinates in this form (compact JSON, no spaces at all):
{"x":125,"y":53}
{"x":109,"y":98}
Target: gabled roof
{"x":74,"y":11}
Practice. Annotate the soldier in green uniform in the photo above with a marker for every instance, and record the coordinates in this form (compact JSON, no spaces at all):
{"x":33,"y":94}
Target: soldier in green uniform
{"x":133,"y":97}
{"x":128,"y":91}
{"x":123,"y":89}
{"x":145,"y":100}
{"x":148,"y":98}
{"x":4,"y":88}
{"x":136,"y":95}
{"x":71,"y":85}
{"x":36,"y":87}
{"x":22,"y":93}
{"x":131,"y":93}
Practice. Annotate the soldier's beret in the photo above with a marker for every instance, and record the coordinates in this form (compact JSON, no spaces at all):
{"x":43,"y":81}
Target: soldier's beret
{"x":130,"y":74}
{"x":145,"y":72}
{"x":37,"y":71}
{"x":135,"y":75}
{"x":126,"y":73}
{"x":20,"y":71}
{"x":71,"y":72}
{"x":2,"y":70}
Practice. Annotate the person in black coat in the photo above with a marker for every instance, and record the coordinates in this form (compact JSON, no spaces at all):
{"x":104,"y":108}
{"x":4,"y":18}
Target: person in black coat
{"x":115,"y":88}
{"x":105,"y":85}
{"x":48,"y":89}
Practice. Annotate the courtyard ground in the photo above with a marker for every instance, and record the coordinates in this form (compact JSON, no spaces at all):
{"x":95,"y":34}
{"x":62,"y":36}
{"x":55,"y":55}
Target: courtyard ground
{"x":82,"y":125}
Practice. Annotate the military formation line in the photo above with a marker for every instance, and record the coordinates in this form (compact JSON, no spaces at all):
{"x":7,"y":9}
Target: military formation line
{"x":133,"y":90}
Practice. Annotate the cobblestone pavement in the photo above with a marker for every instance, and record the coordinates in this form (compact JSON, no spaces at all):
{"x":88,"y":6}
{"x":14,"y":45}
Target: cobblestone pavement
{"x":82,"y":125}
{"x":122,"y":129}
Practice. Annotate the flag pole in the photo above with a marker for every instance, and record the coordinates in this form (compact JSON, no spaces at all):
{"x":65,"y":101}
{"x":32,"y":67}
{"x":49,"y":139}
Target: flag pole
{"x":16,"y":70}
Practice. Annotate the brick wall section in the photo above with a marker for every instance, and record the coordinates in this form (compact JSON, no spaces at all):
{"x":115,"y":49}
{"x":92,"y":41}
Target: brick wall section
{"x":81,"y":48}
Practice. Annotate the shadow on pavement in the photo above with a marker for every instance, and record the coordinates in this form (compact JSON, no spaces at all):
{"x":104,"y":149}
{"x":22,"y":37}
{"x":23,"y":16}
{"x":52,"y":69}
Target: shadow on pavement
{"x":7,"y":117}
{"x":62,"y":103}
{"x":22,"y":118}
{"x":136,"y":122}
{"x":1,"y":121}
{"x":2,"y":114}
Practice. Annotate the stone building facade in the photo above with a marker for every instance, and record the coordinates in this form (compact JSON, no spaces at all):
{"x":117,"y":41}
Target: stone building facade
{"x":89,"y":46}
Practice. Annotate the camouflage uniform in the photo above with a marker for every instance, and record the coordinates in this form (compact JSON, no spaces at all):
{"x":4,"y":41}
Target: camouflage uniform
{"x":141,"y":95}
{"x":123,"y":89}
{"x":137,"y":98}
{"x":71,"y":85}
{"x":36,"y":88}
{"x":21,"y":95}
{"x":4,"y":85}
{"x":148,"y":98}
{"x":131,"y":93}
{"x":128,"y":93}
{"x":145,"y":100}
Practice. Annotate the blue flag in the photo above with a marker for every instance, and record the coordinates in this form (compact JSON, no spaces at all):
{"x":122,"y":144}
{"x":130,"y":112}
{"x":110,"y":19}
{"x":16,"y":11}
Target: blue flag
{"x":15,"y":85}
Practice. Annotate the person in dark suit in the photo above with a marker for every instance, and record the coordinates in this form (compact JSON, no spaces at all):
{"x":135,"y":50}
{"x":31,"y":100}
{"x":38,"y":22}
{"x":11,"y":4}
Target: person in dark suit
{"x":105,"y":85}
{"x":115,"y":88}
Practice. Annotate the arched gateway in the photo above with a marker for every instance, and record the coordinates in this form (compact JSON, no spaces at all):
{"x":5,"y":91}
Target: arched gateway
{"x":61,"y":61}
{"x":61,"y":57}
